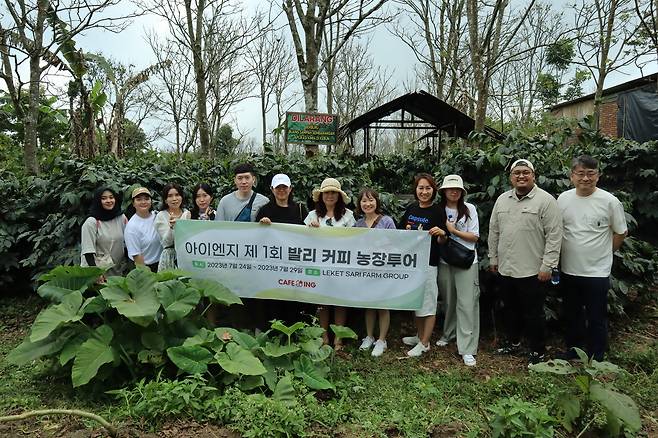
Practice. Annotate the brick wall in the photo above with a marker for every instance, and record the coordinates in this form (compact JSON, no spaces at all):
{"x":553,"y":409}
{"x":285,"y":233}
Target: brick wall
{"x":608,"y":120}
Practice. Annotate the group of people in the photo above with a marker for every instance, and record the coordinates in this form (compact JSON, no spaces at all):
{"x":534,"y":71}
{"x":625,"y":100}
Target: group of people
{"x":527,"y":230}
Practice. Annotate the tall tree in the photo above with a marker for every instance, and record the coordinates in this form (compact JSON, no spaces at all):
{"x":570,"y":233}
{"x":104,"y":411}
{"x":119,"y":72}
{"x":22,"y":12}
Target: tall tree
{"x":434,"y":35}
{"x":214,"y":34}
{"x":647,"y":13}
{"x":491,"y":35}
{"x":347,"y":16}
{"x":605,"y":35}
{"x":28,"y":38}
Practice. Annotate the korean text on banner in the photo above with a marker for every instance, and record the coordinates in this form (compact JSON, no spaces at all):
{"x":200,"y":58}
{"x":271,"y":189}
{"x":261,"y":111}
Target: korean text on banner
{"x":355,"y":267}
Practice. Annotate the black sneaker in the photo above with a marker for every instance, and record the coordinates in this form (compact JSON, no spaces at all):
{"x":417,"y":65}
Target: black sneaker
{"x":535,"y":357}
{"x":569,"y":354}
{"x":509,"y":349}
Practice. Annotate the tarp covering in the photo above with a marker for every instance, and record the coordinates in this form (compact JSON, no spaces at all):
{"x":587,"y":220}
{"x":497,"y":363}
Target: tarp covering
{"x":637,"y":117}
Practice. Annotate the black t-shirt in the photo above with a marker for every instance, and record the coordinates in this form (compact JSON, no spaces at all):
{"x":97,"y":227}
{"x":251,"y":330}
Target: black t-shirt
{"x":292,"y":214}
{"x":417,"y":218}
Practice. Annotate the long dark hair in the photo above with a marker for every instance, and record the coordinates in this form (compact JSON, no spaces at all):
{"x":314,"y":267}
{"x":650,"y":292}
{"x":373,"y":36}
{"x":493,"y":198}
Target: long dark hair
{"x":98,"y":212}
{"x":370,"y":193}
{"x":194,"y":212}
{"x":462,"y":209}
{"x":339,"y":209}
{"x":165,"y":192}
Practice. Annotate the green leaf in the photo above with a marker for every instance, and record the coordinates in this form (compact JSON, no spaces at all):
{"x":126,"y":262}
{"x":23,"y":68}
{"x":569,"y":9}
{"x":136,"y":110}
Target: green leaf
{"x":342,"y":332}
{"x":171,"y":274}
{"x":245,"y":340}
{"x":619,"y":405}
{"x":52,"y":317}
{"x":151,"y":357}
{"x":217,"y":292}
{"x":63,"y":280}
{"x":177,"y":299}
{"x":278,"y":325}
{"x":28,"y":351}
{"x":321,"y":354}
{"x":153,"y":341}
{"x":312,"y":332}
{"x":554,"y":366}
{"x":568,"y":410}
{"x":192,"y":359}
{"x":312,"y":346}
{"x":248,"y":383}
{"x":310,"y":375}
{"x":237,"y":360}
{"x":275,"y":350}
{"x":581,"y":355}
{"x":203,"y":337}
{"x":605,"y":367}
{"x":92,"y":354}
{"x":284,"y":391}
{"x":94,"y":305}
{"x":71,"y":348}
{"x":140,"y":304}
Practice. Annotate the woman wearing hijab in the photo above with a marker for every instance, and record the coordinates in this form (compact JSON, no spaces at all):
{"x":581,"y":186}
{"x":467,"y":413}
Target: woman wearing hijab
{"x":102,"y":242}
{"x":331,"y":211}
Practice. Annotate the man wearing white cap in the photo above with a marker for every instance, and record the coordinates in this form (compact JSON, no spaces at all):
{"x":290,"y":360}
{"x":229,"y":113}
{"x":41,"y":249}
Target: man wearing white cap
{"x":525,"y":234}
{"x":281,"y":209}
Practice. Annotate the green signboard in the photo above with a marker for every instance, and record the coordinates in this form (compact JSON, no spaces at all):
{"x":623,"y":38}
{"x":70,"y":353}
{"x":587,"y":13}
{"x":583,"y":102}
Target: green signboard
{"x":311,"y":128}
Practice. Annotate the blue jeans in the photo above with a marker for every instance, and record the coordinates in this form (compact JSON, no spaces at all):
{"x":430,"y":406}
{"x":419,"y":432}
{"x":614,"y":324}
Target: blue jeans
{"x":586,"y":313}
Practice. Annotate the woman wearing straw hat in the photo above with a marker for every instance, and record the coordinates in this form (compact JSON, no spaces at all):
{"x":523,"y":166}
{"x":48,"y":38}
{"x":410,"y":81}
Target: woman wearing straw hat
{"x":331,"y":211}
{"x":459,"y":287}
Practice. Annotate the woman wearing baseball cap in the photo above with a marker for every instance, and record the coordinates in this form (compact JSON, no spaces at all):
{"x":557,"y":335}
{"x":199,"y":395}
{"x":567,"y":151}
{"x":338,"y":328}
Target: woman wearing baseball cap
{"x":142,"y":241}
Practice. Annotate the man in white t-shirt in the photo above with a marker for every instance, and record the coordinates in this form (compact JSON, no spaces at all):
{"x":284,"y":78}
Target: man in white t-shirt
{"x":594,"y":227}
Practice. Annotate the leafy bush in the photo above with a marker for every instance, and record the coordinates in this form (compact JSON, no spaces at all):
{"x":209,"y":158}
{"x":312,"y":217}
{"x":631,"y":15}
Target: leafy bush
{"x":592,"y":388}
{"x":518,"y":418}
{"x":40,"y":217}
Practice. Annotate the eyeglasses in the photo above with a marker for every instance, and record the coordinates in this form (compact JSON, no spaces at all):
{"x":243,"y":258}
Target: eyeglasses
{"x":518,"y":173}
{"x":329,"y":222}
{"x":588,"y":174}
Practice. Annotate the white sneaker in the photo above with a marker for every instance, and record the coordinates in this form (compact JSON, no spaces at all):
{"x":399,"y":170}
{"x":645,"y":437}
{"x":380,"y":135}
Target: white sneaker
{"x":469,"y":360}
{"x":442,"y":343}
{"x":379,"y":348}
{"x":367,"y":342}
{"x":418,"y":350}
{"x":411,"y":340}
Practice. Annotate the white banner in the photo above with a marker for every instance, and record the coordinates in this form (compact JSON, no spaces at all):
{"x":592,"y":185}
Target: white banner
{"x":355,"y":267}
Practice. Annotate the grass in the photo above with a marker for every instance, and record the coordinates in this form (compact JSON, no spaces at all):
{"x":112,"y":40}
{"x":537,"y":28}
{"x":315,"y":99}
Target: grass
{"x":393,"y":395}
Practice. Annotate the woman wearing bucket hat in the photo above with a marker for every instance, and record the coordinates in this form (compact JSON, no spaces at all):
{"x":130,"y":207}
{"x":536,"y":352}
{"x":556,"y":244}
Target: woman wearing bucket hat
{"x":142,"y":240}
{"x":331,"y":211}
{"x":458,"y":286}
{"x":425,"y":215}
{"x":102,"y":233}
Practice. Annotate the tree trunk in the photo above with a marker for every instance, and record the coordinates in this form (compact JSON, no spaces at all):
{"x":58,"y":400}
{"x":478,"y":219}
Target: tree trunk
{"x":195,"y":36}
{"x":32,"y":118}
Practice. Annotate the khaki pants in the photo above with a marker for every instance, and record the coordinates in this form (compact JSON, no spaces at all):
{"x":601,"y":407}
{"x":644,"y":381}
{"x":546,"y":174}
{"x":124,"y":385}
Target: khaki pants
{"x":460,"y":296}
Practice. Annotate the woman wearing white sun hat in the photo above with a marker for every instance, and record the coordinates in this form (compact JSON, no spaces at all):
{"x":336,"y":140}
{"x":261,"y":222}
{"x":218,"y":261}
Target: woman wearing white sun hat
{"x":459,"y":287}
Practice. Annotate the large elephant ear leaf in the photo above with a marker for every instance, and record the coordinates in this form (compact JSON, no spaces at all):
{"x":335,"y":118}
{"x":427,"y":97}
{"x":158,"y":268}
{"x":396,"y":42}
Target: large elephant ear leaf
{"x":91,"y":355}
{"x":51,"y":318}
{"x":217,"y":292}
{"x":310,"y":374}
{"x":63,"y":280}
{"x":28,"y":351}
{"x":138,"y":302}
{"x":237,"y":360}
{"x":192,"y":359}
{"x":177,"y":299}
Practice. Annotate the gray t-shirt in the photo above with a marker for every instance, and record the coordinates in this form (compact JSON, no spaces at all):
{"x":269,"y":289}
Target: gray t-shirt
{"x":230,"y":206}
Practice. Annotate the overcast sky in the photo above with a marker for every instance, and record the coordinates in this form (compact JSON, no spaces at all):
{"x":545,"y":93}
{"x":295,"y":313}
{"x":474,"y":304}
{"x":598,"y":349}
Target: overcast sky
{"x":129,"y":47}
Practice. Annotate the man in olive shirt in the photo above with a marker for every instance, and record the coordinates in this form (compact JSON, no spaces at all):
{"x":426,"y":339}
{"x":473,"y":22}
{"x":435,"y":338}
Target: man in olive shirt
{"x":525,"y":234}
